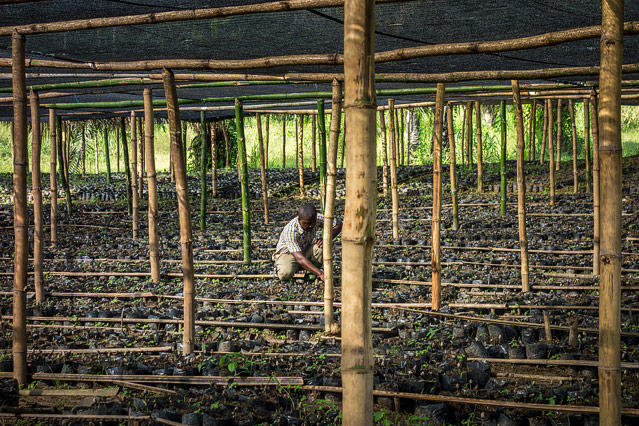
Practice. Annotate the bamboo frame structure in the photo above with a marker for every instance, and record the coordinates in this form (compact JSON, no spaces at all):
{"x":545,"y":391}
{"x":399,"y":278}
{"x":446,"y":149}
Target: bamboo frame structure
{"x":321,"y":127}
{"x":134,"y":176}
{"x":106,"y":154}
{"x":435,"y":253}
{"x":184,"y":209}
{"x":243,"y":166}
{"x":575,"y":175}
{"x":610,"y":162}
{"x":587,"y":142}
{"x":260,"y":141}
{"x":20,"y":211}
{"x":382,"y":124}
{"x":551,"y":153}
{"x":36,"y":191}
{"x":53,"y":188}
{"x":358,"y":238}
{"x":300,"y":155}
{"x":152,"y":187}
{"x":213,"y":132}
{"x":521,"y":188}
{"x":453,"y":166}
{"x":204,"y":142}
{"x":283,"y":141}
{"x":596,"y":192}
{"x":330,"y":326}
{"x":127,"y":169}
{"x":393,"y":169}
{"x":559,"y":134}
{"x":480,"y":162}
{"x":502,"y":159}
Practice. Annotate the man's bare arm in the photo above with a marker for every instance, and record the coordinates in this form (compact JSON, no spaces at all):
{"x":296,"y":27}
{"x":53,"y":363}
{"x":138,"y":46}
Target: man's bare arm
{"x":307,"y":264}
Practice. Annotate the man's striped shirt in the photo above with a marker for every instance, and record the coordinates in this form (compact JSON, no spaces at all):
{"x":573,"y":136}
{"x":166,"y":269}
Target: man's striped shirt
{"x":294,"y":239}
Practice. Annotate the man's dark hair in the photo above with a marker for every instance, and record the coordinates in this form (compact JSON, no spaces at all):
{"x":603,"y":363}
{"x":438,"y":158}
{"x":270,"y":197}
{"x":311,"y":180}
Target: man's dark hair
{"x":307,"y":211}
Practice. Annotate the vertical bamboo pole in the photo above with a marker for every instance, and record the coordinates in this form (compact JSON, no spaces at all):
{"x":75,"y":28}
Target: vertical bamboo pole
{"x":480,"y":162}
{"x":241,"y":148}
{"x":469,"y":134}
{"x":262,"y":167}
{"x":84,"y":150}
{"x":559,"y":134}
{"x":203,"y":163}
{"x":36,"y":190}
{"x":52,"y":178}
{"x":409,"y":116}
{"x":393,"y":168}
{"x":587,"y":141}
{"x":134,"y":175}
{"x":463,"y":138}
{"x":361,"y":202}
{"x":343,"y":144}
{"x":106,"y":155}
{"x":402,"y":139}
{"x":226,"y":144}
{"x":322,"y":150}
{"x":314,"y":143}
{"x":521,"y":187}
{"x":300,"y":155}
{"x":117,"y":151}
{"x":502,"y":159}
{"x":297,"y":140}
{"x":531,"y":129}
{"x":213,"y":160}
{"x":596,"y":167}
{"x":65,"y":152}
{"x":330,"y":326}
{"x":382,"y":124}
{"x":185,"y":128}
{"x":283,"y":141}
{"x":95,"y":150}
{"x":63,"y":175}
{"x":575,"y":177}
{"x":544,"y":134}
{"x":141,"y":158}
{"x":610,"y":164}
{"x":127,"y":171}
{"x":184,"y":209}
{"x":151,"y":179}
{"x":436,"y":264}
{"x":20,"y":212}
{"x":398,"y":151}
{"x":551,"y":152}
{"x":453,"y":165}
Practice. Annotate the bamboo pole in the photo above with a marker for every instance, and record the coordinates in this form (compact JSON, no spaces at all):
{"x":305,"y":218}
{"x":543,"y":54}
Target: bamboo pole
{"x":502,"y":159}
{"x":321,"y":122}
{"x":575,"y":177}
{"x":559,"y":134}
{"x":343,"y":145}
{"x":453,"y":166}
{"x":283,"y":141}
{"x":203,"y":163}
{"x":587,"y":141}
{"x":226,"y":144}
{"x":213,"y":130}
{"x":314,"y":143}
{"x":463,"y":138}
{"x":393,"y":169}
{"x":151,"y":177}
{"x":330,"y":326}
{"x":551,"y":152}
{"x":134,"y":175}
{"x":184,"y":208}
{"x":20,"y":211}
{"x":480,"y":163}
{"x":260,"y":141}
{"x":297,"y":139}
{"x":63,"y":176}
{"x":532,"y":124}
{"x":469,"y":129}
{"x":268,"y":116}
{"x":117,"y":151}
{"x":398,"y":151}
{"x":437,"y":199}
{"x":594,"y":122}
{"x":409,"y":116}
{"x":185,"y":129}
{"x":402,"y":139}
{"x":36,"y":190}
{"x":52,"y":179}
{"x":382,"y":124}
{"x":358,"y":239}
{"x":300,"y":155}
{"x":521,"y":187}
{"x":65,"y":154}
{"x":84,"y":149}
{"x":106,"y":155}
{"x":610,"y":162}
{"x":141,"y":158}
{"x":544,"y":134}
{"x":241,"y":149}
{"x":127,"y":170}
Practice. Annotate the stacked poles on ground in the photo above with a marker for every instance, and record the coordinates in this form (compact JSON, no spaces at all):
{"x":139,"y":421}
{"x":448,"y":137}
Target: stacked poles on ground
{"x":559,"y":134}
{"x":52,"y":179}
{"x":134,"y":177}
{"x":153,"y":214}
{"x":393,"y":169}
{"x":213,"y":132}
{"x":321,"y":124}
{"x":480,"y":161}
{"x":36,"y":190}
{"x":382,"y":124}
{"x":575,"y":176}
{"x":241,"y":158}
{"x":521,"y":186}
{"x":587,"y":141}
{"x":330,"y":326}
{"x":358,"y":238}
{"x":453,"y":166}
{"x":594,"y":122}
{"x":260,"y":141}
{"x":551,"y":153}
{"x":436,"y":264}
{"x":203,"y":162}
{"x":20,"y":212}
{"x":127,"y":170}
{"x":184,"y":210}
{"x":610,"y":162}
{"x":502,"y":159}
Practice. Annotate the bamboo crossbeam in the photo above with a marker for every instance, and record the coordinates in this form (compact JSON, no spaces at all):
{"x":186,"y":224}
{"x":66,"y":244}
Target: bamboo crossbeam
{"x":52,"y":351}
{"x":138,"y":386}
{"x":77,"y":416}
{"x":558,"y":362}
{"x":102,"y":392}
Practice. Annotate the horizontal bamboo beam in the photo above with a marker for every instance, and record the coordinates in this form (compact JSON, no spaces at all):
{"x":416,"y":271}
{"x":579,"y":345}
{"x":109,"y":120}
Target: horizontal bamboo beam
{"x":554,"y":362}
{"x":103,"y":392}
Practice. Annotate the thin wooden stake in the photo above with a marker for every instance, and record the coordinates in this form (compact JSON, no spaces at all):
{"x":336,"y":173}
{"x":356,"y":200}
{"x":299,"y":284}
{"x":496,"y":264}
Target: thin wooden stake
{"x":453,"y":166}
{"x":141,"y":158}
{"x":469,"y":134}
{"x":551,"y":152}
{"x":300,"y":155}
{"x":63,"y":175}
{"x":52,"y":178}
{"x":587,"y":141}
{"x":227,"y":148}
{"x":463,"y":138}
{"x":544,"y":134}
{"x":241,"y":157}
{"x":213,"y":132}
{"x":532,"y":129}
{"x":117,"y":151}
{"x":258,"y":117}
{"x":268,"y":116}
{"x":127,"y":169}
{"x":594,"y":122}
{"x":559,"y":134}
{"x":134,"y":176}
{"x":343,"y":146}
{"x":321,"y":121}
{"x":36,"y":191}
{"x":480,"y":162}
{"x":152,"y":187}
{"x":502,"y":159}
{"x":575,"y":176}
{"x":437,"y":199}
{"x":204,"y":142}
{"x":314,"y":143}
{"x":382,"y":124}
{"x":393,"y":169}
{"x":283,"y":141}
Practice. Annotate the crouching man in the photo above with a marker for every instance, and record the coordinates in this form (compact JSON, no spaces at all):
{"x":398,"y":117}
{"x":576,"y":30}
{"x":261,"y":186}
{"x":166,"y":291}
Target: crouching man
{"x":298,"y":248}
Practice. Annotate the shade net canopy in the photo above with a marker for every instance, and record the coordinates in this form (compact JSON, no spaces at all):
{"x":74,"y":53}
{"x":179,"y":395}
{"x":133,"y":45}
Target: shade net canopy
{"x":401,"y":24}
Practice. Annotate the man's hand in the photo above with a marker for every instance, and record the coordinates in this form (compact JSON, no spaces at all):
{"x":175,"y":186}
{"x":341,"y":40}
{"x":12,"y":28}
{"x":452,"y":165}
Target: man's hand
{"x":321,"y":275}
{"x":319,"y":242}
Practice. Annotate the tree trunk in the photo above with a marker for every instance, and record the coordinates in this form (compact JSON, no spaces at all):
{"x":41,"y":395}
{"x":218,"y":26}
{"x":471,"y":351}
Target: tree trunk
{"x":544,"y":134}
{"x":213,"y":129}
{"x":84,"y":150}
{"x":532,"y":128}
{"x":300,"y":155}
{"x":106,"y":154}
{"x":283,"y":141}
{"x":141,"y":158}
{"x":268,"y":116}
{"x":469,"y":134}
{"x":63,"y":175}
{"x":153,"y":214}
{"x":226,"y":144}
